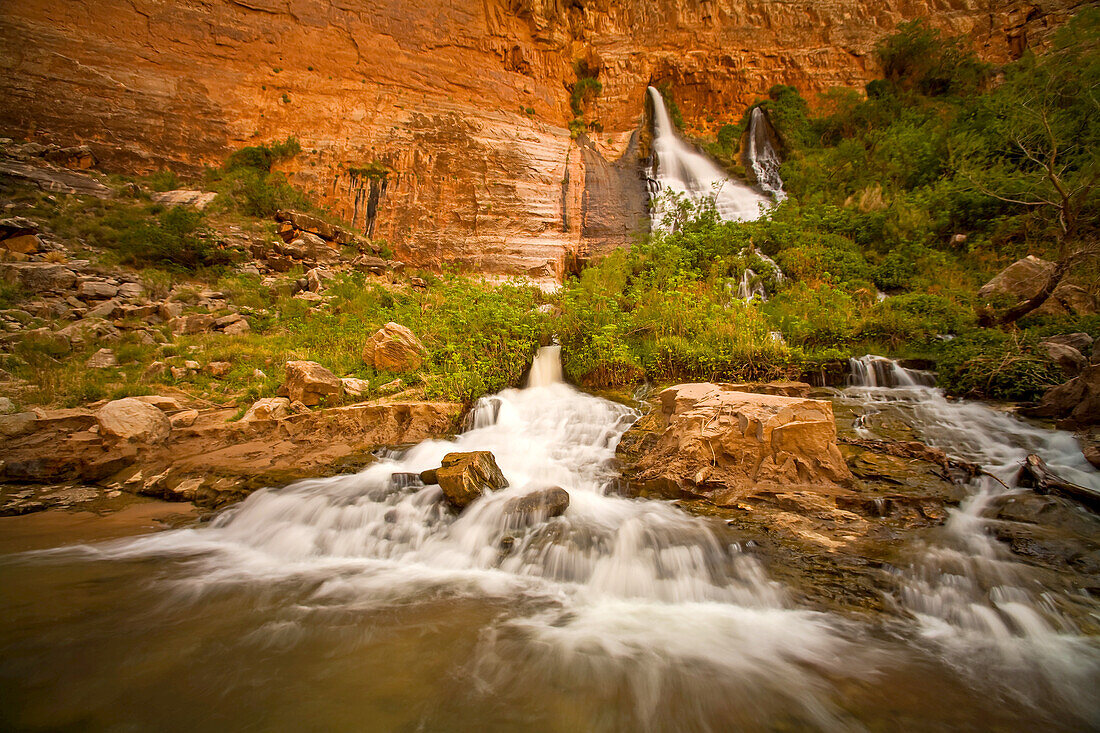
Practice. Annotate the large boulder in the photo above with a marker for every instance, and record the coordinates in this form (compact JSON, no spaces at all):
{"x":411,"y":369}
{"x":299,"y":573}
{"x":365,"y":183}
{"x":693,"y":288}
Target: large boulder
{"x":268,"y":408}
{"x":1075,"y":403}
{"x":1021,"y":281}
{"x":1079,"y":340}
{"x":309,"y":383}
{"x":715,"y":442}
{"x":37,"y":276}
{"x":394,"y":348}
{"x":466,"y":476}
{"x":132,"y":420}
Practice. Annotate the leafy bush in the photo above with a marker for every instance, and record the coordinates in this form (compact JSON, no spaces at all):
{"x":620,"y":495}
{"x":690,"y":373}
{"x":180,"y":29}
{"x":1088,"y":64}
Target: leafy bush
{"x":173,"y":239}
{"x":996,"y":365}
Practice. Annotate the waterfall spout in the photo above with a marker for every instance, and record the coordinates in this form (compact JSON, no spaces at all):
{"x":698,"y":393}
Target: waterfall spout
{"x":546,"y":367}
{"x":681,"y":169}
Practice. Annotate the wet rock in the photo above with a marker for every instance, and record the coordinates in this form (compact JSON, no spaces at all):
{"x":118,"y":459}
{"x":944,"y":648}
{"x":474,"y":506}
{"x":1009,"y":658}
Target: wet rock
{"x":721,"y":444}
{"x":537,"y":506}
{"x":429,"y":477}
{"x":268,"y":408}
{"x":132,"y":420}
{"x":310,"y":383}
{"x":464,"y":477}
{"x":394,"y":348}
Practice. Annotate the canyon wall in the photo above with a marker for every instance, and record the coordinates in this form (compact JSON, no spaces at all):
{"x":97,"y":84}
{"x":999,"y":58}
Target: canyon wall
{"x":443,"y":127}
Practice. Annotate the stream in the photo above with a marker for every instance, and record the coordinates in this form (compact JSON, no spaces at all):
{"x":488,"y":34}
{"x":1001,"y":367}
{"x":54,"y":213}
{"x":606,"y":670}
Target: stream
{"x":359,"y":602}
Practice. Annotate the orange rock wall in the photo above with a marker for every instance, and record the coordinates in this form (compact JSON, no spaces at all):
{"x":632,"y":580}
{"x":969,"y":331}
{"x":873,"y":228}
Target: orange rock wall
{"x":439,"y":93}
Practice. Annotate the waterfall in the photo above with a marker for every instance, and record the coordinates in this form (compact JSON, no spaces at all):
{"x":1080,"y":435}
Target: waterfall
{"x":546,"y":367}
{"x":762,"y":155}
{"x":683,"y":170}
{"x":878,"y":371}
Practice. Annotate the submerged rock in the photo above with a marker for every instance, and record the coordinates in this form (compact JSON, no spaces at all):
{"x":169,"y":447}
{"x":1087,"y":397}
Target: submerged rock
{"x":537,"y":506}
{"x":466,"y":476}
{"x":710,"y":441}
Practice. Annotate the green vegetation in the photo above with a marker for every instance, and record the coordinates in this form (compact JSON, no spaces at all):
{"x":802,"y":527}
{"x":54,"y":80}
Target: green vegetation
{"x":586,"y":88}
{"x":247,"y":184}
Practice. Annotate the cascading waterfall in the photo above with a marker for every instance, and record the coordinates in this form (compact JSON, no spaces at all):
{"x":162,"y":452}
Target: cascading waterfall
{"x":683,"y":170}
{"x":973,"y":602}
{"x":763,"y":156}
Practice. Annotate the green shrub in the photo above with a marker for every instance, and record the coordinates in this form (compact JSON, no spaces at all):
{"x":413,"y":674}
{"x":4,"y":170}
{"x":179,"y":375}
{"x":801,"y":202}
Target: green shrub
{"x":996,"y":365}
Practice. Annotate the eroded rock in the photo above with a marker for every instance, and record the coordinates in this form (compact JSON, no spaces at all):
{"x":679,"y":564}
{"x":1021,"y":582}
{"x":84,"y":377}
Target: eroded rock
{"x":716,"y":443}
{"x":309,"y":383}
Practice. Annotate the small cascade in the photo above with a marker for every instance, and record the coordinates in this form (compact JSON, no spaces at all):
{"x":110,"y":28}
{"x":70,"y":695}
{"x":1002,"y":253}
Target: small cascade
{"x":750,"y":287}
{"x":546,"y":367}
{"x":989,"y":615}
{"x":878,"y":371}
{"x":681,"y":169}
{"x":762,"y":156}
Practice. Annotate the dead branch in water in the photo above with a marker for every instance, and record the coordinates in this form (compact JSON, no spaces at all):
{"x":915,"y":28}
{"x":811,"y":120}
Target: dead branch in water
{"x":1047,"y":481}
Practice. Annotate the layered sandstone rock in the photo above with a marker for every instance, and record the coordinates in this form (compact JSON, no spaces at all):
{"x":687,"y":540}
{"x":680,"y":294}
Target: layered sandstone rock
{"x":441,"y":127}
{"x":393,"y":348}
{"x":712,"y":441}
{"x":464,"y":477}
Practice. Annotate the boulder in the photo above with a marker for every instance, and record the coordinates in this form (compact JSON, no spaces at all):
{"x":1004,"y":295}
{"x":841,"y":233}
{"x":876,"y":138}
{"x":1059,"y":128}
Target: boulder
{"x":184,"y":419}
{"x":236,"y":328}
{"x":195,"y":323}
{"x":97,"y":290}
{"x":355,"y":387}
{"x":133,"y":291}
{"x":1080,"y":341}
{"x":713,"y":442}
{"x":308,"y":382}
{"x":102,"y":359}
{"x":38,"y":277}
{"x":537,"y":506}
{"x":132,"y":420}
{"x":269,"y":408}
{"x":1021,"y":281}
{"x":7,"y":407}
{"x":1075,"y":403}
{"x":23,"y":244}
{"x":466,"y":476}
{"x":394,"y":348}
{"x":1068,"y":358}
{"x":293,"y":223}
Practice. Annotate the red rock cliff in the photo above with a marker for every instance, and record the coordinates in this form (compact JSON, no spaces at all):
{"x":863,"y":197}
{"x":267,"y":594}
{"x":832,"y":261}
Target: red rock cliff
{"x":465,"y":104}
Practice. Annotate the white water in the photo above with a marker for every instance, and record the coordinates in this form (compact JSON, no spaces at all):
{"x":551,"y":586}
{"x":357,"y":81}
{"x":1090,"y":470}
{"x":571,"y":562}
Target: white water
{"x":750,"y":287}
{"x":984,"y":611}
{"x":763,"y":156}
{"x":630,"y":589}
{"x":683,"y":170}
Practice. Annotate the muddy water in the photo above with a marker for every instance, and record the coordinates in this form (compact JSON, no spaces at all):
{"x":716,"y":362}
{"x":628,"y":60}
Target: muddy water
{"x":358,"y":603}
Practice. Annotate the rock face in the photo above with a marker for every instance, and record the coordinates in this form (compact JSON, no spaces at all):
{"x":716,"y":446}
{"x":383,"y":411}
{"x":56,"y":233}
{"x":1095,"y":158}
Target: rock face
{"x":132,"y":420}
{"x":466,"y":476}
{"x":308,"y":382}
{"x":1022,"y":280}
{"x":456,"y":148}
{"x":393,"y":348}
{"x":713,"y":442}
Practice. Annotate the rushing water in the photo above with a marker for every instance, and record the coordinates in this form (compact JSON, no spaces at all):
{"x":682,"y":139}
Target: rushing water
{"x":360,"y":602}
{"x":977,"y":606}
{"x":683,"y":170}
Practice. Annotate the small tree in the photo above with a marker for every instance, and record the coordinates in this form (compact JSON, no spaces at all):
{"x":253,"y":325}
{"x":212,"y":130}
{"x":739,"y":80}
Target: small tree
{"x":1035,"y":142}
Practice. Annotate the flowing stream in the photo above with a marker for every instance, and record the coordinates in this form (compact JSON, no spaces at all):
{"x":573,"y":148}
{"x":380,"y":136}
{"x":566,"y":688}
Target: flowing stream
{"x":359,"y":602}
